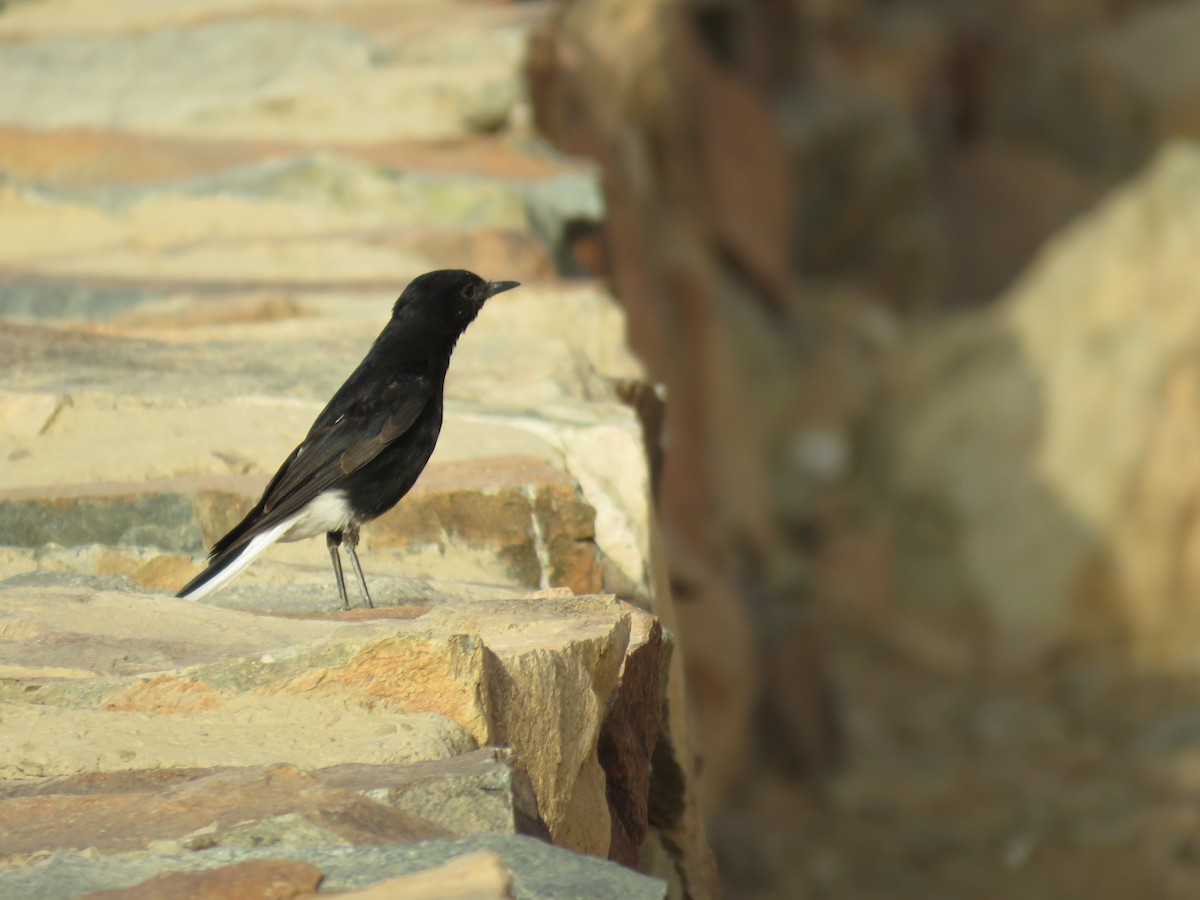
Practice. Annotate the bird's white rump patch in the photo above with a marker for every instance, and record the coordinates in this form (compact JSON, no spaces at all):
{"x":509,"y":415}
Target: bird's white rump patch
{"x":325,"y":512}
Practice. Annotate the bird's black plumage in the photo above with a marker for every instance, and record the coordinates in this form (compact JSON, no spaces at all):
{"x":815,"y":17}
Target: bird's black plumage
{"x":370,"y":443}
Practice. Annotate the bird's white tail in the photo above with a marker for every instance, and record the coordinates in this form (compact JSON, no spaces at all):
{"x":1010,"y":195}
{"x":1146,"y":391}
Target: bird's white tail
{"x":221,"y":574}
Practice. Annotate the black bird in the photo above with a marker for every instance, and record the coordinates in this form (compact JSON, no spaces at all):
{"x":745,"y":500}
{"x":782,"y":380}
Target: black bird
{"x":369,"y":444}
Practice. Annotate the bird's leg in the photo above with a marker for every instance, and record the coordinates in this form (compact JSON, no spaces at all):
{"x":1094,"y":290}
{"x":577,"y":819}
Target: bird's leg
{"x":351,"y":546}
{"x":333,"y":540}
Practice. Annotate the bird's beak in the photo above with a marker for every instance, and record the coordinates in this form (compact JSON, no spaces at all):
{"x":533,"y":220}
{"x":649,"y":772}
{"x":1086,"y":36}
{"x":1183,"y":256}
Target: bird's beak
{"x":499,"y":287}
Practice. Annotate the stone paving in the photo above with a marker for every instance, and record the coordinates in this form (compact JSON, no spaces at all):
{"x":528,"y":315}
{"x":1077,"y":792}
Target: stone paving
{"x":207,"y":209}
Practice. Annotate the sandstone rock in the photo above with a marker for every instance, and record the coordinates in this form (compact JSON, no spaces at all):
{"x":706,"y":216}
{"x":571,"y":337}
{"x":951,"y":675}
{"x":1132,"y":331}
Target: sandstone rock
{"x":75,"y":17}
{"x":84,"y":159}
{"x":549,"y":698}
{"x":1039,"y":490}
{"x":572,"y":335}
{"x":280,"y":587}
{"x":601,"y":448}
{"x":28,"y":414}
{"x":39,"y":300}
{"x":156,"y":519}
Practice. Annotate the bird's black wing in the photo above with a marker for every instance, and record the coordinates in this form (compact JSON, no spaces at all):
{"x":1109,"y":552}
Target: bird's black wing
{"x":345,"y":444}
{"x":353,"y":430}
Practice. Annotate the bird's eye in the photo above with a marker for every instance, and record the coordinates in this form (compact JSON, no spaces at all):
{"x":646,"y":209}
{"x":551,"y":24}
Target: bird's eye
{"x":470,"y":292}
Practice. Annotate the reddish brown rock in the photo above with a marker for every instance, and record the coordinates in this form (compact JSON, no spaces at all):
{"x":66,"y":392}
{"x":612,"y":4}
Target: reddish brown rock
{"x":798,"y":710}
{"x":724,"y":677}
{"x":165,"y":694}
{"x":83,"y":157}
{"x":260,"y":879}
{"x":629,"y":735}
{"x":122,"y":812}
{"x":1003,"y":203}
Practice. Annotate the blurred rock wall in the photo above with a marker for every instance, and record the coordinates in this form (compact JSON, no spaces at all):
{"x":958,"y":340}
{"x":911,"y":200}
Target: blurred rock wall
{"x":812,"y":210}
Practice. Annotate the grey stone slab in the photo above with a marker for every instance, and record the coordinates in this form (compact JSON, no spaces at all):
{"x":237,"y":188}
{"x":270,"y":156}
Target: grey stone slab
{"x":541,"y":871}
{"x":41,"y":358}
{"x":54,"y":301}
{"x":556,"y":207}
{"x":167,"y":521}
{"x":484,"y":792}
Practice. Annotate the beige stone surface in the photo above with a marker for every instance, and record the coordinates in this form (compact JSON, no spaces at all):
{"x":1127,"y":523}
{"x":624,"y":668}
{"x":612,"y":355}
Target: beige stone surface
{"x":48,"y":741}
{"x":476,"y":876}
{"x":328,"y":229}
{"x":423,"y":75}
{"x":81,"y":16}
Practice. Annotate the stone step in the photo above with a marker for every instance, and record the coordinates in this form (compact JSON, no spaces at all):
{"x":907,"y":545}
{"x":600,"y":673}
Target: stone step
{"x":167,"y":810}
{"x":119,"y":439}
{"x":437,"y":72}
{"x":113,"y":681}
{"x":308,"y":220}
{"x":505,"y":521}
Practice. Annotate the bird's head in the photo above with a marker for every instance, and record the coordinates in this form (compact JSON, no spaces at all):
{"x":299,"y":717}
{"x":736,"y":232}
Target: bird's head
{"x":452,"y":296}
